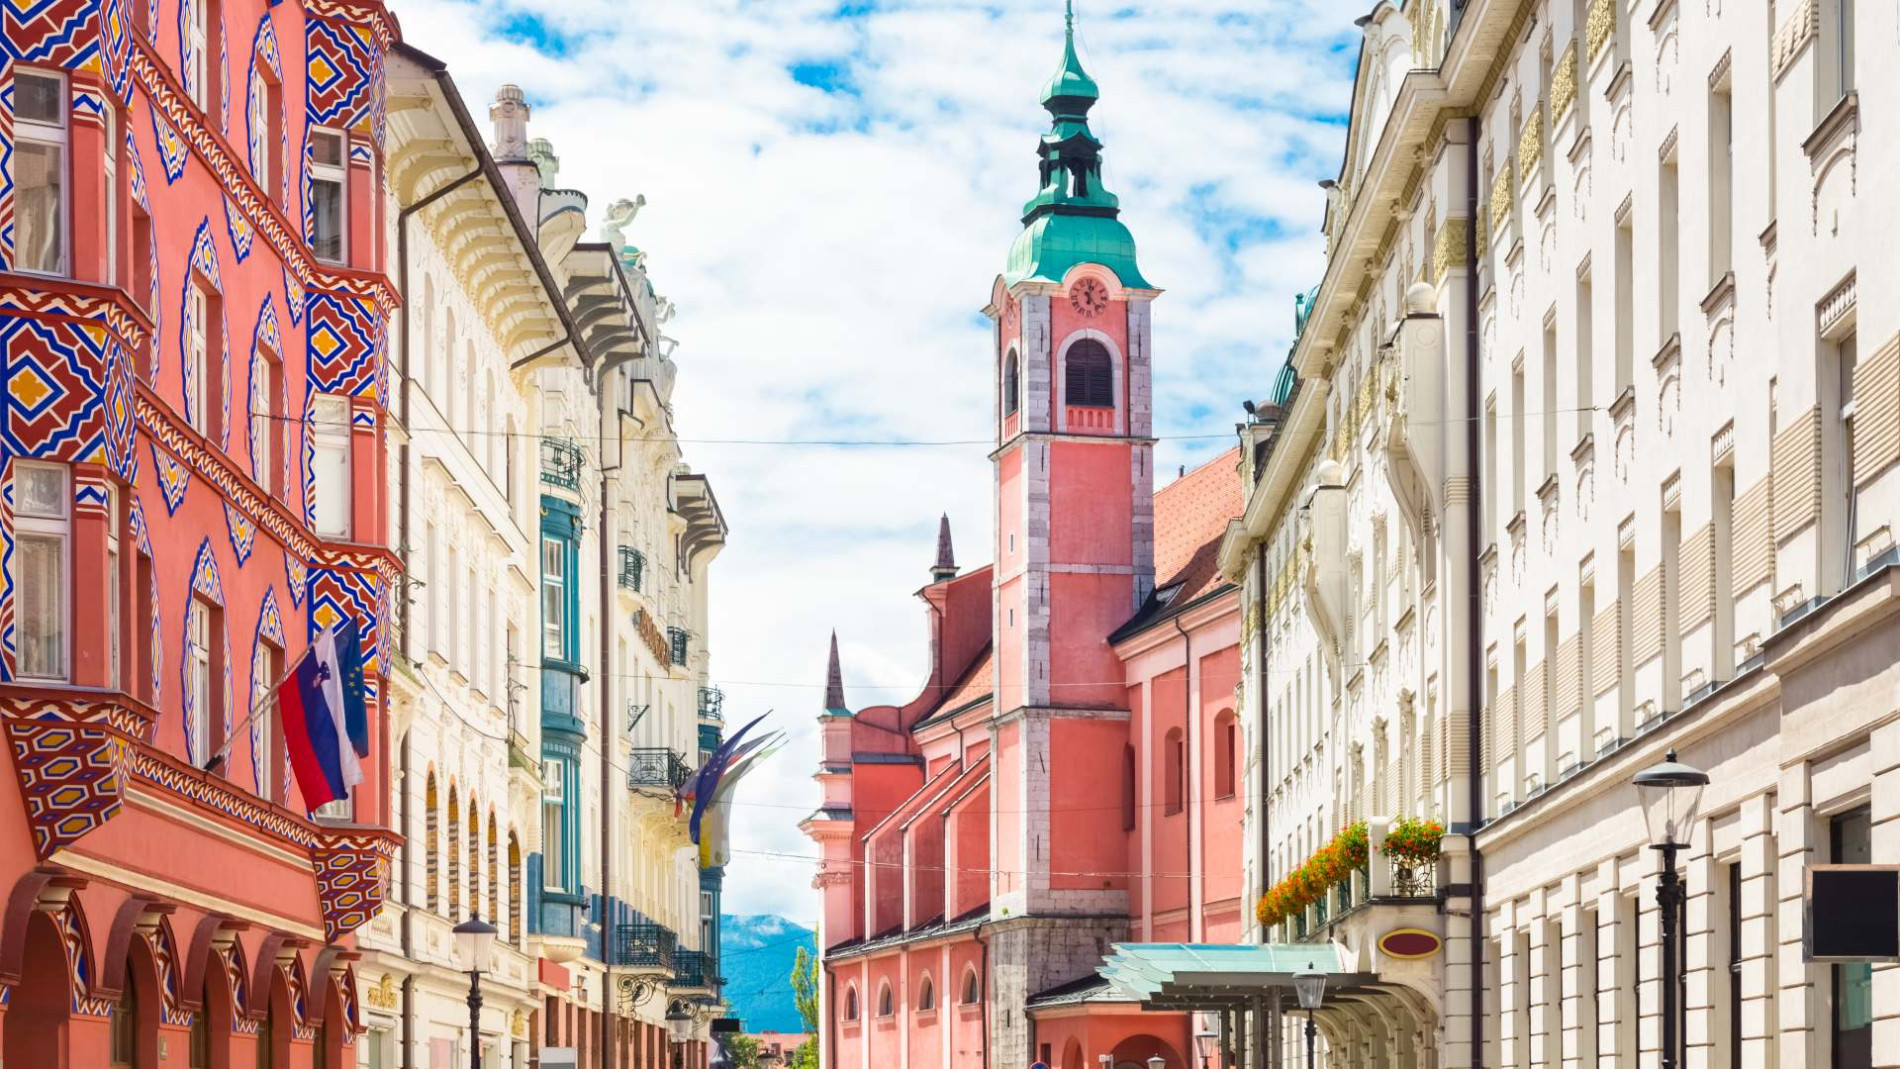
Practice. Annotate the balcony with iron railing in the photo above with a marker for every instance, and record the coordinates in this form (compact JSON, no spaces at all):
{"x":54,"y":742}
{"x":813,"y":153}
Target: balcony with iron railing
{"x":633,"y":566}
{"x":712,"y":704}
{"x":694,"y":970}
{"x":656,"y":768}
{"x":678,"y":641}
{"x":561,"y":460}
{"x":645,"y":945}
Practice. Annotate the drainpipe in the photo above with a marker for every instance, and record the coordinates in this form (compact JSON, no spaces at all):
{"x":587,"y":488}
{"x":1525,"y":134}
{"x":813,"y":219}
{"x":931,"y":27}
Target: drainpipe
{"x":983,"y":999}
{"x":1266,"y":735}
{"x":610,"y":1048}
{"x":1474,"y":637}
{"x":408,"y":1019}
{"x":402,"y":483}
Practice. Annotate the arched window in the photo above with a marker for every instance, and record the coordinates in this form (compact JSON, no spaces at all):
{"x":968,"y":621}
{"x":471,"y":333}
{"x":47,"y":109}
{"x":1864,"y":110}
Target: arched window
{"x":494,"y":872}
{"x":455,"y":856}
{"x":1174,"y":774}
{"x":884,"y":1006}
{"x":515,"y":904}
{"x":1128,"y":788}
{"x":1012,"y":385}
{"x":1088,"y":375}
{"x":430,"y":820}
{"x":972,"y":991}
{"x":851,"y":1003}
{"x":199,"y":1054}
{"x":445,"y":383}
{"x":474,"y":859}
{"x":1226,"y":741}
{"x":425,"y":344}
{"x":926,"y":995}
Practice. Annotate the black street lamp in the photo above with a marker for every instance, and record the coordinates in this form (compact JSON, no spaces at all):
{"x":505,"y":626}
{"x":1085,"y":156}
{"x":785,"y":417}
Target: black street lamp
{"x":1671,"y":793}
{"x":474,"y":942}
{"x":1311,"y":987}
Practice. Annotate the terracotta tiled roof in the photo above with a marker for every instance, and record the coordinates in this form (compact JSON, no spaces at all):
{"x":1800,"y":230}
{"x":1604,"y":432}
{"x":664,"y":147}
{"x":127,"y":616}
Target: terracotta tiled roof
{"x":1191,"y":515}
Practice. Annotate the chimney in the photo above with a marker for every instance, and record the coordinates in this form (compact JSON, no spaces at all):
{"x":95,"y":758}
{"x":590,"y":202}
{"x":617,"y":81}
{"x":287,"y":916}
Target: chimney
{"x":508,"y":116}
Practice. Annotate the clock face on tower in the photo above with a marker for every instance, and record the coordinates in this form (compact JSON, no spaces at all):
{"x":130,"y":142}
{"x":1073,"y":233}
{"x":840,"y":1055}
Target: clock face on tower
{"x":1089,"y":297}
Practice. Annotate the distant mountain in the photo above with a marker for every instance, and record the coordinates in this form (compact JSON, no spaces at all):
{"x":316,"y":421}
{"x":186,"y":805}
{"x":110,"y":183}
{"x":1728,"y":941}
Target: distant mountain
{"x":755,"y":956}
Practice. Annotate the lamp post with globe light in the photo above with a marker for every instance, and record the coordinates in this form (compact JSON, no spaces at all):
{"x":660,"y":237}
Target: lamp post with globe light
{"x":1205,"y":1040}
{"x":1310,"y":986}
{"x":1671,"y":794}
{"x":474,"y":942}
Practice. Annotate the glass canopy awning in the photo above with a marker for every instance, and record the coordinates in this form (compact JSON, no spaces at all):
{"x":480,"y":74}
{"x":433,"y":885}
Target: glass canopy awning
{"x":1209,"y":976}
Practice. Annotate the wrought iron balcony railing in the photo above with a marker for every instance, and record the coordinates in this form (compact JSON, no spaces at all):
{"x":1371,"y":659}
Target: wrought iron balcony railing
{"x":712,"y":704}
{"x":694,"y":969}
{"x":561,"y":463}
{"x":656,"y":768}
{"x":677,"y":640}
{"x":644,"y":944}
{"x":633,"y":567}
{"x":1413,"y":878}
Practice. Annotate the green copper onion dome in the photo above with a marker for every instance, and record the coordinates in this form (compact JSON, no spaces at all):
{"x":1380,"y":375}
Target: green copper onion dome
{"x":1072,"y":219}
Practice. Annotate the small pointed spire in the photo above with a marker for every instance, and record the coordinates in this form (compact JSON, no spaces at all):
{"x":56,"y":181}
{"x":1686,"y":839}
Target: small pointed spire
{"x":834,"y":682}
{"x":946,"y":566}
{"x":1071,"y":91}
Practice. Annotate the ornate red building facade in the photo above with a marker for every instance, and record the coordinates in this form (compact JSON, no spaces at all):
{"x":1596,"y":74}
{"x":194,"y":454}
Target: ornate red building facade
{"x":192,"y":340}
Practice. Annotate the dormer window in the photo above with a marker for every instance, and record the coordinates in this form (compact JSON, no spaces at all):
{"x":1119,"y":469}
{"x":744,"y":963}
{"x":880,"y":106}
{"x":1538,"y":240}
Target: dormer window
{"x":1089,"y":377}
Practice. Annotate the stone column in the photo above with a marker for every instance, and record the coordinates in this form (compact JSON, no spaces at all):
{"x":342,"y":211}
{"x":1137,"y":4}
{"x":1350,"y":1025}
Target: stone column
{"x":1513,"y":989}
{"x":1578,"y":957}
{"x":1801,"y":1010}
{"x":1703,"y":950}
{"x":1616,"y":1024}
{"x":1885,"y":745}
{"x":1758,"y":862}
{"x":1546,"y":988}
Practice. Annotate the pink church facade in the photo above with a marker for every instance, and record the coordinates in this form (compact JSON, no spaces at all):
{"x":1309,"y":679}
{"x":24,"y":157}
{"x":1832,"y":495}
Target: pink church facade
{"x":1068,"y":776}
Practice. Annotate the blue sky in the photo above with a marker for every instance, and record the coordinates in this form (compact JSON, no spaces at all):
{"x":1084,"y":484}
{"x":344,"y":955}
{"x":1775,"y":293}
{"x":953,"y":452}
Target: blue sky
{"x":832,"y":188}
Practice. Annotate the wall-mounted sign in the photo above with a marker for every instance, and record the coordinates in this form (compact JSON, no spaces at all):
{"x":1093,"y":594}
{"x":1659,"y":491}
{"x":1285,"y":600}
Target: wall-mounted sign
{"x":1409,"y":943}
{"x":1853,"y":913}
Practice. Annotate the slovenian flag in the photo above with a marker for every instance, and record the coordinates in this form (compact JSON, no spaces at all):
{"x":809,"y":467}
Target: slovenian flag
{"x":326,"y":724}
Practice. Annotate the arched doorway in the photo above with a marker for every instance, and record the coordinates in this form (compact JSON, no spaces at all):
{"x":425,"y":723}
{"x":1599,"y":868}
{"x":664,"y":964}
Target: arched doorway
{"x":39,"y":1009}
{"x":1136,"y":1050}
{"x":1072,"y":1055}
{"x":141,"y":1008}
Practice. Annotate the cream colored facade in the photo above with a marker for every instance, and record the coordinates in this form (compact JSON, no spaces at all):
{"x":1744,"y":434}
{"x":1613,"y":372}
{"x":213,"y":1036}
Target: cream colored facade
{"x":1592,"y":455}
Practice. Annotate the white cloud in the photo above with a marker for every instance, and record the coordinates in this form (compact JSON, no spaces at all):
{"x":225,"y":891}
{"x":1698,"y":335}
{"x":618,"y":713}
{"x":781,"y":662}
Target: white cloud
{"x":829,"y":252}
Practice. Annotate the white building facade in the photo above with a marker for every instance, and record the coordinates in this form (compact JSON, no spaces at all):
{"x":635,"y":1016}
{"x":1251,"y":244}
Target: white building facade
{"x":1586,"y":453}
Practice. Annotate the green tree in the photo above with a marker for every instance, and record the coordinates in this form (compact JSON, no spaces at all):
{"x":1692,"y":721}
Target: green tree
{"x":743,"y":1052}
{"x":805,"y":979}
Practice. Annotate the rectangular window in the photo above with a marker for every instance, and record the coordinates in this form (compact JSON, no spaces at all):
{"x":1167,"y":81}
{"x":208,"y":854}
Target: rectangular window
{"x":330,"y":464}
{"x":1550,"y":396}
{"x":1491,"y":485}
{"x":1844,"y":48}
{"x":267,"y":421}
{"x":1520,"y":471}
{"x":1586,"y":354}
{"x":39,"y":172}
{"x":114,"y":650}
{"x":1672,"y":608}
{"x":197,"y":69}
{"x":1625,"y":641}
{"x":1722,"y":524}
{"x":141,"y":628}
{"x":554,"y":824}
{"x":42,"y":580}
{"x":198,"y":680}
{"x":432,"y":589}
{"x":1587,"y":981}
{"x":110,"y":156}
{"x":1721,"y":181}
{"x":1586,"y":669}
{"x":204,"y":360}
{"x":329,"y":162}
{"x":554,"y":598}
{"x":1625,"y":306}
{"x":264,"y":672}
{"x":141,"y":274}
{"x":1851,"y":843}
{"x":1733,"y":974}
{"x":1669,"y":256}
{"x":1842,"y":499}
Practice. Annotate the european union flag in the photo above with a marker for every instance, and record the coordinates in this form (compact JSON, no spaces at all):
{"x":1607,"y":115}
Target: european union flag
{"x":349,"y":655}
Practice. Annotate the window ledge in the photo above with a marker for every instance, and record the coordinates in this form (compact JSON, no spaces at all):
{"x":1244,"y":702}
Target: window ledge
{"x":1842,"y":119}
{"x":1671,"y":349}
{"x":1721,"y":296}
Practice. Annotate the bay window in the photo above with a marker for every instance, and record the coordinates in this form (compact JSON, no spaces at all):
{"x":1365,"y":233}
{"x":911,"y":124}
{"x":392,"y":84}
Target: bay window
{"x":554,"y":824}
{"x":42,"y":533}
{"x":554,"y":598}
{"x":39,"y":172}
{"x":330,"y":464}
{"x":329,"y":161}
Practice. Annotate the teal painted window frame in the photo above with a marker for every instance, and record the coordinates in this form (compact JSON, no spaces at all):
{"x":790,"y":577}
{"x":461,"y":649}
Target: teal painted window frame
{"x":560,"y":523}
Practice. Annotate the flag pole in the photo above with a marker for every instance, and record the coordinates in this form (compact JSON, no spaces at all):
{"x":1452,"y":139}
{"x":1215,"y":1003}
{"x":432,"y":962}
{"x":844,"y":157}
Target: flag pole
{"x":216,"y":760}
